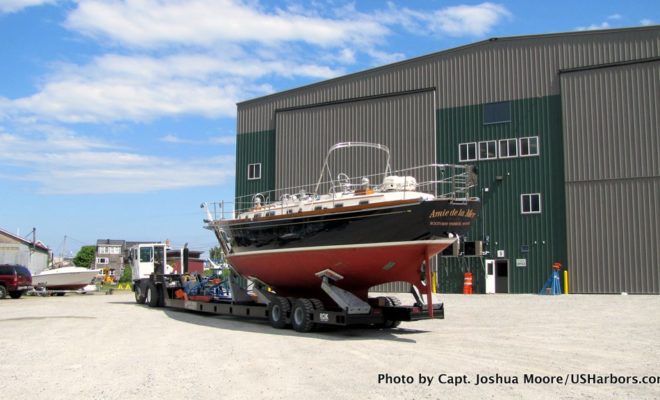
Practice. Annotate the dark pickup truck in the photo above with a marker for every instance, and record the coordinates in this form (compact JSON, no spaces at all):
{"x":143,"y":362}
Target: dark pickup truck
{"x":14,"y":280}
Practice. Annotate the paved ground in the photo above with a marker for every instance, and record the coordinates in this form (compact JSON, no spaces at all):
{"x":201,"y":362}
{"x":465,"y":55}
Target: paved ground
{"x":107,"y":347}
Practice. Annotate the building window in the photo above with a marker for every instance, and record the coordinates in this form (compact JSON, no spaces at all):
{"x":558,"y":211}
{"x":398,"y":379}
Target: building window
{"x":529,"y":146}
{"x":488,"y":150}
{"x":508,"y":148}
{"x":530,"y":203}
{"x":254,"y":171}
{"x":467,"y":151}
{"x":101,"y":260}
{"x":497,"y":113}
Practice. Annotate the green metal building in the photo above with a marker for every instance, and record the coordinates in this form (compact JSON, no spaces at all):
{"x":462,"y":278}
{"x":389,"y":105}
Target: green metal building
{"x":562,"y":128}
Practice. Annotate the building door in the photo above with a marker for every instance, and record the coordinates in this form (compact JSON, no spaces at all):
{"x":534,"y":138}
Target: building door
{"x":501,"y":276}
{"x":490,"y":276}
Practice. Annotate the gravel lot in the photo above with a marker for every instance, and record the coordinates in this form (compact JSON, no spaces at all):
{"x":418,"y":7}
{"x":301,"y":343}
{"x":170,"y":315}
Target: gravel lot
{"x":107,"y":347}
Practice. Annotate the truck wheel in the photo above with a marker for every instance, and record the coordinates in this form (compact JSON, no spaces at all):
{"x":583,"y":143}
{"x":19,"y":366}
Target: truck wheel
{"x":3,"y":292}
{"x":140,"y":297}
{"x":277,"y":311}
{"x":152,"y":295}
{"x":302,"y":314}
{"x":16,"y":295}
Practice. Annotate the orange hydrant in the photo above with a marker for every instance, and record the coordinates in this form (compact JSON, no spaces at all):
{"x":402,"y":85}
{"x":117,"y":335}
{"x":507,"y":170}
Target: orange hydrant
{"x":467,"y":283}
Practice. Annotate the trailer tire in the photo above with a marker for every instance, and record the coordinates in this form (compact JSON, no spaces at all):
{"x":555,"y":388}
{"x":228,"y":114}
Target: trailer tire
{"x":3,"y":292}
{"x":16,"y":295}
{"x":140,"y":296}
{"x":152,"y":295}
{"x":318,"y":304}
{"x":277,"y":311}
{"x":391,"y":301}
{"x":302,"y":315}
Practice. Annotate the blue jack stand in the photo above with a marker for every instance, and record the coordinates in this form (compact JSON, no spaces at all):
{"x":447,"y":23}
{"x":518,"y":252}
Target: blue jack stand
{"x":552,"y":285}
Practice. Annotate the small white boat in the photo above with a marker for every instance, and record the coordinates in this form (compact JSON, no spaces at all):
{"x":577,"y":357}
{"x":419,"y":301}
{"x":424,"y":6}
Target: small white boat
{"x":64,"y":278}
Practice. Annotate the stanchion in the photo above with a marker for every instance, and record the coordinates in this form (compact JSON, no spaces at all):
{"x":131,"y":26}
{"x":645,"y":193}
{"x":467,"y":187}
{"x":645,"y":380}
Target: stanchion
{"x":553,"y":284}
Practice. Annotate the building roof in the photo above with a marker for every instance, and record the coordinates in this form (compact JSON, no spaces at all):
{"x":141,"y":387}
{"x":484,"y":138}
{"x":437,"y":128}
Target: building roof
{"x":111,"y":242}
{"x":37,"y":244}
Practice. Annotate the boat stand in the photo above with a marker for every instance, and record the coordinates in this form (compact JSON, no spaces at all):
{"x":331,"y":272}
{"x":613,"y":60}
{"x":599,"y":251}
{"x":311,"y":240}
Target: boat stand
{"x":344,"y":299}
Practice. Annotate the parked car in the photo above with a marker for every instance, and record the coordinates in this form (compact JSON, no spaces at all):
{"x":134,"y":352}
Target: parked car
{"x":14,"y":280}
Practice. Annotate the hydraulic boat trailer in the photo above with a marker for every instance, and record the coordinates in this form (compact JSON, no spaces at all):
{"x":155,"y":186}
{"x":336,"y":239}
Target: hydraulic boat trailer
{"x":300,"y":313}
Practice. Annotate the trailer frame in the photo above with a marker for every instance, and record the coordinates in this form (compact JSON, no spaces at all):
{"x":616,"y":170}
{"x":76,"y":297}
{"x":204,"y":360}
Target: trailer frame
{"x":302,"y":314}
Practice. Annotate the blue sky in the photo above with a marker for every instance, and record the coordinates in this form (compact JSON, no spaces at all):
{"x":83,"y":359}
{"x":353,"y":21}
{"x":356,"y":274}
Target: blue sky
{"x":117,"y":117}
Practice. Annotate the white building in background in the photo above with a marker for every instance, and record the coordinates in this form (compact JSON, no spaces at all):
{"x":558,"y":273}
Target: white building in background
{"x":16,"y":250}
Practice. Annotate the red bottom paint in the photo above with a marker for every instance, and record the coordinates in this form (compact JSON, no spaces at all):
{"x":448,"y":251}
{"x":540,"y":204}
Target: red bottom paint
{"x":292,"y":273}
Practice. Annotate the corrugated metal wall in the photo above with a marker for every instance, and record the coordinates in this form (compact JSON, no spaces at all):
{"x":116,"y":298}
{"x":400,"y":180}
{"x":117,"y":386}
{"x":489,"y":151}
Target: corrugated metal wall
{"x":405,"y":123}
{"x":15,"y":253}
{"x":488,"y":71}
{"x":612,"y":147}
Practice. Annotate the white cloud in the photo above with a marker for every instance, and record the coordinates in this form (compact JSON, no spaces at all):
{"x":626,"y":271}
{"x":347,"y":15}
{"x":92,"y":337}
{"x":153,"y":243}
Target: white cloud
{"x":141,"y":88}
{"x":602,"y":25}
{"x":382,"y":57}
{"x":225,"y":139}
{"x":460,"y":20}
{"x":614,"y":16}
{"x":80,"y":165}
{"x":463,"y":20}
{"x":646,"y":22}
{"x":201,"y":57}
{"x":213,"y":140}
{"x":148,"y":23}
{"x":10,"y":6}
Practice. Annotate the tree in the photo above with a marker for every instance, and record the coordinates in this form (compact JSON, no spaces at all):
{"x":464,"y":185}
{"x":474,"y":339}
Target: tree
{"x":85,"y":257}
{"x":216,"y":254}
{"x":126,"y":275}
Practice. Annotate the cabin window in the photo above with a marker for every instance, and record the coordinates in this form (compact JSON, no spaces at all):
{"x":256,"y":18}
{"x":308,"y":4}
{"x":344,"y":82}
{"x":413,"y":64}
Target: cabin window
{"x":497,"y":113}
{"x":508,"y":148}
{"x":488,"y":150}
{"x":146,"y":254}
{"x":270,"y":213}
{"x":363,"y":202}
{"x":254,"y":171}
{"x":530,"y":203}
{"x":339,"y":205}
{"x":529,"y":146}
{"x":317,"y":208}
{"x":467,"y":151}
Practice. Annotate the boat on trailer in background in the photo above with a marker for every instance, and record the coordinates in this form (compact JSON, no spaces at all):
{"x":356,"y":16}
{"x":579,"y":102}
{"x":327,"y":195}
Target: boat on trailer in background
{"x":63,"y":279}
{"x":315,"y":251}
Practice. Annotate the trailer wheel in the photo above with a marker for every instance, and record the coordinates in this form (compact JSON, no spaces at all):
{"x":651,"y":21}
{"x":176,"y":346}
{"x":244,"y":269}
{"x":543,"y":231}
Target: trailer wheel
{"x":140,"y":296}
{"x":392,"y":301}
{"x":302,"y":314}
{"x":318,"y":304}
{"x":277,"y":311}
{"x":3,"y":292}
{"x":16,"y":295}
{"x":152,"y":295}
